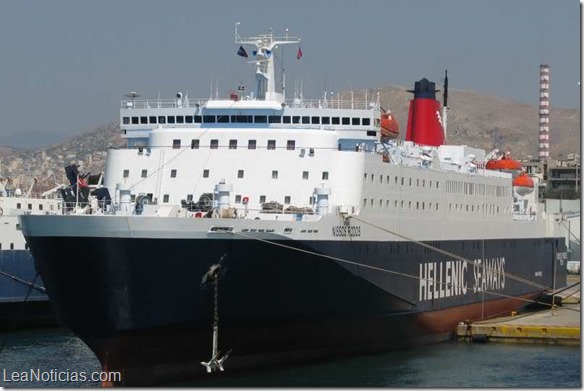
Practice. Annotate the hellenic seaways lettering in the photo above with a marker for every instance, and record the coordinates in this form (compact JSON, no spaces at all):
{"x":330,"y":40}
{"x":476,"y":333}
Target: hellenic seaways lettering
{"x":454,"y":278}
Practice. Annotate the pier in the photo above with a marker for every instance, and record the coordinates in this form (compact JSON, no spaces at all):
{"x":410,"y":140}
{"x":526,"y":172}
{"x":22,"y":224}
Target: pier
{"x":557,"y":326}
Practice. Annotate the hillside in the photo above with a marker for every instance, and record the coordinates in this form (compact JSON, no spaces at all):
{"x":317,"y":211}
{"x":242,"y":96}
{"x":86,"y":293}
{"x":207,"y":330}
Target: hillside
{"x":488,"y":122}
{"x":475,"y":119}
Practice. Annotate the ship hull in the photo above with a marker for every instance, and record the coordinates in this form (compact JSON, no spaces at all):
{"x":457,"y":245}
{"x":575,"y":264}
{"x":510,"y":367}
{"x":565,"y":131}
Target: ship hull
{"x":20,"y":306}
{"x":146,"y":314}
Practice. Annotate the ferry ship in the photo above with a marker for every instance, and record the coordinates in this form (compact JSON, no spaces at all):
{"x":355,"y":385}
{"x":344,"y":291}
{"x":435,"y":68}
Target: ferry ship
{"x":23,"y":300}
{"x":269,"y":230}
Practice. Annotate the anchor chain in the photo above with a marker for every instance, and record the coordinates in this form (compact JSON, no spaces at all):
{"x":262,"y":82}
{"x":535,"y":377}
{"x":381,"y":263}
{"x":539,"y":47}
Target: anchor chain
{"x":216,"y":361}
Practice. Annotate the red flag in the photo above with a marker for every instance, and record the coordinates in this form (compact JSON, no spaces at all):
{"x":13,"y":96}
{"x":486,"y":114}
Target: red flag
{"x":299,"y":54}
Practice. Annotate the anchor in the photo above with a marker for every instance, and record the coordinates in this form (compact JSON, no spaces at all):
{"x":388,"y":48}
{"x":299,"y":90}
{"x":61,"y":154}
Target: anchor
{"x":216,"y":361}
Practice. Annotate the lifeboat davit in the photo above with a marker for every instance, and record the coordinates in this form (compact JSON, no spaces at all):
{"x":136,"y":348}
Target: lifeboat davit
{"x":389,"y":126}
{"x":523,"y":184}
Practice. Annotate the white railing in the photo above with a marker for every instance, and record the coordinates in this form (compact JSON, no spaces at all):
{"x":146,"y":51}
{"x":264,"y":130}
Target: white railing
{"x":295,"y":103}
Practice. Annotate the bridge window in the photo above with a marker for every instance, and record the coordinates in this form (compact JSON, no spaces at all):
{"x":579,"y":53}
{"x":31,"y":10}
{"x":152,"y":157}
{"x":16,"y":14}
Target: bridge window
{"x":143,"y":120}
{"x":223,"y":119}
{"x":180,"y":119}
{"x":242,"y":119}
{"x":251,"y":144}
{"x":336,"y":121}
{"x":275,"y":119}
{"x":260,"y":119}
{"x":135,"y":121}
{"x":286,"y":119}
{"x":126,"y":120}
{"x":170,"y":119}
{"x":161,"y":119}
{"x":326,"y":120}
{"x":209,"y":119}
{"x":306,"y":119}
{"x":315,"y":120}
{"x":366,"y":121}
{"x":152,"y":119}
{"x":214,"y":144}
{"x":198,"y":119}
{"x":346,"y":121}
{"x":356,"y":121}
{"x":295,"y":119}
{"x":188,"y":119}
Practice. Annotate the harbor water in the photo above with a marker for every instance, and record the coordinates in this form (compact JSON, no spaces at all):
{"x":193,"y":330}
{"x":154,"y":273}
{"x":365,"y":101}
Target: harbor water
{"x":449,"y":364}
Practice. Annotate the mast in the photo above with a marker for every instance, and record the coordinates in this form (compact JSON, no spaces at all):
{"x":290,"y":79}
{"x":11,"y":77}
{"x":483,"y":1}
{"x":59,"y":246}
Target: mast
{"x":445,"y":105}
{"x":264,"y":45}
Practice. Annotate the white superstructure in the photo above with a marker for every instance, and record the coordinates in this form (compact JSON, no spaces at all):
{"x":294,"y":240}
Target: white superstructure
{"x":15,"y":203}
{"x":261,"y":157}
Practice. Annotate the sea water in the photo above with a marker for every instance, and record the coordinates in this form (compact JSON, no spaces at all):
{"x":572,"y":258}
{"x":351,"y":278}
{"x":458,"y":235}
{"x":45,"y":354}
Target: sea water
{"x":449,"y":364}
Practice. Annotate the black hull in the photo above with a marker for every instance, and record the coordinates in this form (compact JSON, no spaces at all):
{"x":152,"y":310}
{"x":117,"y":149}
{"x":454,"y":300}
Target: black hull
{"x":144,"y":312}
{"x":21,"y":307}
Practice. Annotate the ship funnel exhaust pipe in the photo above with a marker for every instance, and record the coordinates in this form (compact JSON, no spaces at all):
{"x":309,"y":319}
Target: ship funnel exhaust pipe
{"x":424,"y":120}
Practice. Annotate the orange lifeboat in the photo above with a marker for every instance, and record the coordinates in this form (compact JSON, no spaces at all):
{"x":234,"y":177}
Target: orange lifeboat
{"x":523,"y":184}
{"x":505,"y":164}
{"x":389,"y":126}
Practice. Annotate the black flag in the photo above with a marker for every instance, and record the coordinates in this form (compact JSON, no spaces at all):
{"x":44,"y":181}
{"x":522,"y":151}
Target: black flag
{"x":241,"y":52}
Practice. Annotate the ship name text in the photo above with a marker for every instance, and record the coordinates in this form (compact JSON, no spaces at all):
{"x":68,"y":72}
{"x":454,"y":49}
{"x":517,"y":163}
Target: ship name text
{"x":347,"y":230}
{"x":439,"y":280}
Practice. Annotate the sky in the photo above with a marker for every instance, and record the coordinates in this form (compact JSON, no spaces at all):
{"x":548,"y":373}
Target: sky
{"x":66,"y":64}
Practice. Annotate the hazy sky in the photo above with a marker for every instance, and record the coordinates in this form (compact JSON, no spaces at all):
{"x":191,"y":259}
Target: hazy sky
{"x":65,"y":65}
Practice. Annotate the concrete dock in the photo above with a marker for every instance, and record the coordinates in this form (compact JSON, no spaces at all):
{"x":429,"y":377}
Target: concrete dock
{"x":559,"y":325}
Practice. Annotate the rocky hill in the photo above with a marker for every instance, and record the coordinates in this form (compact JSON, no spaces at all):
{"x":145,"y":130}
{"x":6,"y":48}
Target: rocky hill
{"x":475,"y":119}
{"x":488,"y":122}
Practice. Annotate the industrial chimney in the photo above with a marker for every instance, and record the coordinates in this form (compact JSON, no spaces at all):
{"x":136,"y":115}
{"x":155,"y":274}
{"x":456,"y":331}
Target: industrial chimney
{"x":544,"y":113}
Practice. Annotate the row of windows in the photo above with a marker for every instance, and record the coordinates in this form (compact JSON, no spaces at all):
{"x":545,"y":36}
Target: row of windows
{"x":238,"y":199}
{"x":245,"y":119}
{"x":411,"y":204}
{"x":29,"y":206}
{"x":410,"y":182}
{"x":240,"y":174}
{"x":251,"y":144}
{"x":469,"y":188}
{"x":486,"y":209}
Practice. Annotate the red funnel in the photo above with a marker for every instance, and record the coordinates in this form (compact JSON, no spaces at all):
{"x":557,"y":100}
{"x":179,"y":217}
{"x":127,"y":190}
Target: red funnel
{"x":424,"y":125}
